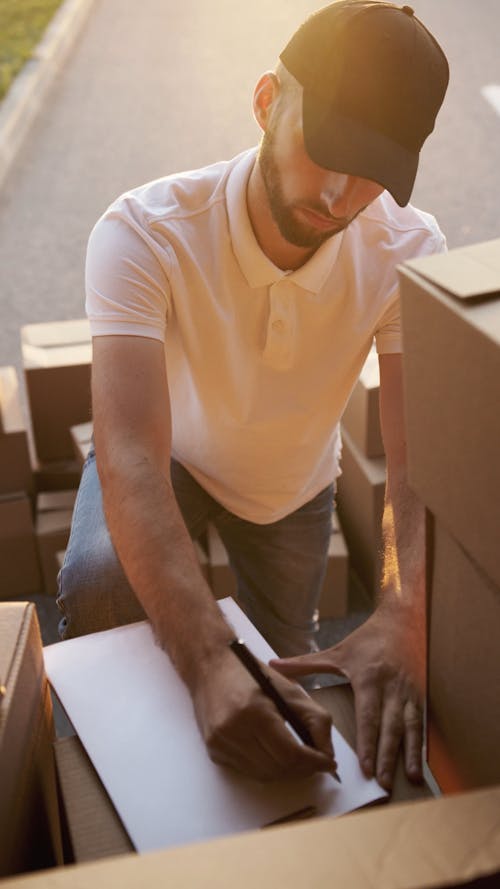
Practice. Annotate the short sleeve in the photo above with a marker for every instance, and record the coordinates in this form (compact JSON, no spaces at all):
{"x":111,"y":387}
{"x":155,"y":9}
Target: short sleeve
{"x":126,"y":280}
{"x":388,"y":336}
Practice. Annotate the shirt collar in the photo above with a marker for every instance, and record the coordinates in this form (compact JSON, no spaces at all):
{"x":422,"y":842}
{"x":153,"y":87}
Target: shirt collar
{"x":258,"y":270}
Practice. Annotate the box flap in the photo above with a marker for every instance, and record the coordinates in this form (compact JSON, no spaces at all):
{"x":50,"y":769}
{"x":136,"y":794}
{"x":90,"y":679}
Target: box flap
{"x":471,"y":272}
{"x":11,"y":414}
{"x":36,"y":357}
{"x":56,"y":333}
{"x":424,"y":845}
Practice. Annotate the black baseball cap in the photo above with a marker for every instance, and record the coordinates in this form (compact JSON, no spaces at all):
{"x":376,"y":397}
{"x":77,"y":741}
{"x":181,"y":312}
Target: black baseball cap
{"x":373,"y":79}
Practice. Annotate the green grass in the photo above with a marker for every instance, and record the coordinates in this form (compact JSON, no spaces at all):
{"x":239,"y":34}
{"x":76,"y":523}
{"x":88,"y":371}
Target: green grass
{"x":22,"y":23}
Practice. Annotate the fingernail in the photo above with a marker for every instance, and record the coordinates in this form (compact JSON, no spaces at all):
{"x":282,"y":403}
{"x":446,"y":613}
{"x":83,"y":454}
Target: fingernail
{"x":385,"y":780}
{"x":367,"y":767}
{"x":415,"y":773}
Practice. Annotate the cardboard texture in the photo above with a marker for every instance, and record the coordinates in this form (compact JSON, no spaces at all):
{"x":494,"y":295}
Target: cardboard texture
{"x":94,"y":828}
{"x":15,"y":465}
{"x":361,"y":418}
{"x":53,"y":525}
{"x":464,"y":669}
{"x":451,"y":377}
{"x":20,"y":572}
{"x":29,"y":816}
{"x":57,"y":360}
{"x":96,"y":831}
{"x":360,"y":504}
{"x":424,"y":845}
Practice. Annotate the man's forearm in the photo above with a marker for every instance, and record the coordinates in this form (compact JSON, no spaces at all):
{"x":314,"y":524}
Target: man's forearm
{"x":160,"y":562}
{"x":403,"y":568}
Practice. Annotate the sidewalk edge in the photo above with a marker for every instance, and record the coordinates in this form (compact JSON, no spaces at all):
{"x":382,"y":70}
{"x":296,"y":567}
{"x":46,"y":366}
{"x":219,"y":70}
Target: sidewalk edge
{"x":28,"y":90}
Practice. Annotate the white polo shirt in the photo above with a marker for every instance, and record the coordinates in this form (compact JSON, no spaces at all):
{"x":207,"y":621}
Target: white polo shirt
{"x":260,"y":361}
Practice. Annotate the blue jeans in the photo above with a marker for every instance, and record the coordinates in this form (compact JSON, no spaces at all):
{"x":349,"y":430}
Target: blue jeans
{"x":279,"y":567}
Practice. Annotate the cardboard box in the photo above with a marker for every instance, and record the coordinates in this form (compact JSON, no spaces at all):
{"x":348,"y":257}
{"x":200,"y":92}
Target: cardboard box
{"x":361,"y":418}
{"x":451,"y":332}
{"x":334,"y":593}
{"x":29,"y":816}
{"x":53,"y":524}
{"x":464,"y":669}
{"x":15,"y":464}
{"x":57,"y":475}
{"x":81,"y":437}
{"x":19,"y":572}
{"x":57,"y":359}
{"x":360,"y":504}
{"x":222,"y":579}
{"x":421,"y":845}
{"x":94,"y":827}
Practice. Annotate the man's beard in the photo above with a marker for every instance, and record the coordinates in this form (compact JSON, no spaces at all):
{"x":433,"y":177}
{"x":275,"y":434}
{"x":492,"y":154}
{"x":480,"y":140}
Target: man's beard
{"x":292,"y":229}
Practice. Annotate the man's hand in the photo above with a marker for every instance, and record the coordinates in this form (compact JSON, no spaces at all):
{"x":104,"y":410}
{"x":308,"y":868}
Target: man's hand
{"x":377,"y":659}
{"x":243,"y":729}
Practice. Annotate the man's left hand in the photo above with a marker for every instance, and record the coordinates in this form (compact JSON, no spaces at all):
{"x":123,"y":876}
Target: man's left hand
{"x":378,"y":659}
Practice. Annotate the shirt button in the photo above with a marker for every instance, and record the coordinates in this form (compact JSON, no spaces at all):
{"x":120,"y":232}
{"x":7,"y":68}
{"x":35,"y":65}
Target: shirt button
{"x":278,"y":325}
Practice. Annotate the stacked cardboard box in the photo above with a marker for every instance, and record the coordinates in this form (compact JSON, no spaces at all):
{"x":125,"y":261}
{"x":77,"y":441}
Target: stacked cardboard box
{"x":81,"y":436}
{"x":361,"y":486}
{"x":53,"y":524}
{"x":29,"y":816}
{"x":439,"y":842}
{"x":15,"y":465}
{"x":18,"y":558}
{"x":57,"y":361}
{"x":451,"y":325}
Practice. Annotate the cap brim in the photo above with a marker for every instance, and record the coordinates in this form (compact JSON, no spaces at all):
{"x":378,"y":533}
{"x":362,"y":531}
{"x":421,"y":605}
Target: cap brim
{"x":345,"y":145}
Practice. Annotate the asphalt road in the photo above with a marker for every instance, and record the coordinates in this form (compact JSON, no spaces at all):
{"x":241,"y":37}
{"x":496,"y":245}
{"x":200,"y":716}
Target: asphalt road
{"x":159,"y":86}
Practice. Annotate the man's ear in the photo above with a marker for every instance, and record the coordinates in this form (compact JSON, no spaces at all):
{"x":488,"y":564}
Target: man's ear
{"x":264,"y":97}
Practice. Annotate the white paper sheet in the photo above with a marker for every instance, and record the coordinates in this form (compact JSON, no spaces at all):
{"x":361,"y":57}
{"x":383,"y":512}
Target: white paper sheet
{"x":135,"y":718}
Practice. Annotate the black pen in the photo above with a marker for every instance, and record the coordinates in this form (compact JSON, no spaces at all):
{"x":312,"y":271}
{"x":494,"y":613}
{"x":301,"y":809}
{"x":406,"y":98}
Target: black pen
{"x":251,"y":663}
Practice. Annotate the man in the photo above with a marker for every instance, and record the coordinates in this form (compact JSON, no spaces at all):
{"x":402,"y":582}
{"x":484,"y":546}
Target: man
{"x":232,"y":309}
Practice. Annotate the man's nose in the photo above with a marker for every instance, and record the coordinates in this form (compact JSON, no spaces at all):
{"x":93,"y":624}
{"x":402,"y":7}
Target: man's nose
{"x":338,"y":195}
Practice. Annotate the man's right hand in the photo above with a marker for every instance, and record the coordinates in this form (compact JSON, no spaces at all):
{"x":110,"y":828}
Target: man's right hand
{"x":243,"y":729}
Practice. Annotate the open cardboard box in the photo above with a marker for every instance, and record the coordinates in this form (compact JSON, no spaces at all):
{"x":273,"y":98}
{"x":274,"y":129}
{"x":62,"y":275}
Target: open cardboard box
{"x":438,"y":841}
